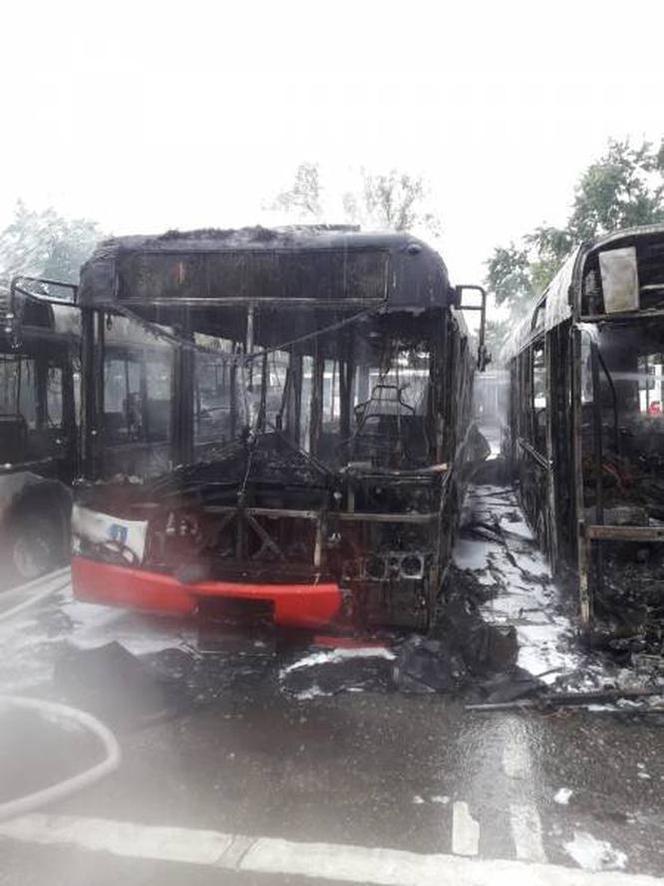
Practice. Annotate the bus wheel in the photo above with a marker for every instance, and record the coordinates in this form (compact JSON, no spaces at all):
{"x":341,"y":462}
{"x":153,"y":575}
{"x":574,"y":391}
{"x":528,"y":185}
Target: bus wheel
{"x":36,"y":547}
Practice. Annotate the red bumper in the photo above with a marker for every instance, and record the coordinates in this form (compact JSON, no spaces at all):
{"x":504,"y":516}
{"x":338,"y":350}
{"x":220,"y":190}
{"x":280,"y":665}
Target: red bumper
{"x":295,"y":606}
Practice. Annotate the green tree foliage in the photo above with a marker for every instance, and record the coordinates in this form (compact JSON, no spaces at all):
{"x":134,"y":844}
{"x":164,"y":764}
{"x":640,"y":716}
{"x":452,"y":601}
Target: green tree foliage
{"x":509,"y":275}
{"x":46,"y":244}
{"x":625,"y":187}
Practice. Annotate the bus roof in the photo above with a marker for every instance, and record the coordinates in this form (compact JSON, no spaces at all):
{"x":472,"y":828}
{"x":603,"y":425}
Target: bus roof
{"x":333,"y":265}
{"x":564,"y":293}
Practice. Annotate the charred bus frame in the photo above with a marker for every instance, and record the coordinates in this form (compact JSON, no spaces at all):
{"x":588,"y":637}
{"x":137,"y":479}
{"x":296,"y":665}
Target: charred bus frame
{"x":318,"y":428}
{"x":582,"y":432}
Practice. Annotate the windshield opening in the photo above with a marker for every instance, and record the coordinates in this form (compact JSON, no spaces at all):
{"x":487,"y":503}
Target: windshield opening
{"x":330,"y":385}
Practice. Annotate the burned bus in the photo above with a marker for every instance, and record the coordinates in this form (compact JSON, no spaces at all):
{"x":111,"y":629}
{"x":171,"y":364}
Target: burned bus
{"x":38,"y":362}
{"x":291,"y":446}
{"x":586,"y":427}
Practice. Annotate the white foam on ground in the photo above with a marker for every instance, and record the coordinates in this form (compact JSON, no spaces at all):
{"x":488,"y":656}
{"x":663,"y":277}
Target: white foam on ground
{"x":545,"y":647}
{"x":519,"y":527}
{"x":140,"y":634}
{"x":594,"y":855}
{"x":312,"y":692}
{"x":545,"y":638}
{"x":334,"y":656}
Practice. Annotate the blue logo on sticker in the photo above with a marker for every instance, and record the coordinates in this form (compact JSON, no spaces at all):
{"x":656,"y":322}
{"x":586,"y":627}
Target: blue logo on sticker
{"x":118,"y":533}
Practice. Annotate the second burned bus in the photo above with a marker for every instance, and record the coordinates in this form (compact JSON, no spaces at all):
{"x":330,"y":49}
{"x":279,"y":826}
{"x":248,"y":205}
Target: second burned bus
{"x":586,"y":425}
{"x":291,"y":447}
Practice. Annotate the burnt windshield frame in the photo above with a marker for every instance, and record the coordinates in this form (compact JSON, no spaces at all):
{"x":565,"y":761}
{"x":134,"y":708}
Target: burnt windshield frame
{"x":320,"y":372}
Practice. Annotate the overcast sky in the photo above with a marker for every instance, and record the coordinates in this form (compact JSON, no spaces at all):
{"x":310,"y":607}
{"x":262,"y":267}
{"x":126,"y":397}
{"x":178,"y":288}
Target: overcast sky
{"x":148,"y":116}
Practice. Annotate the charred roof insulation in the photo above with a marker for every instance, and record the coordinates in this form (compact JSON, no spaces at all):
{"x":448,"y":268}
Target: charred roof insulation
{"x":342,"y":267}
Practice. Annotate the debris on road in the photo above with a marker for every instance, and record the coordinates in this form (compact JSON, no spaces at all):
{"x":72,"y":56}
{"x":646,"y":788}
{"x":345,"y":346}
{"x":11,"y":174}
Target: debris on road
{"x":330,"y":671}
{"x":506,"y":578}
{"x":462,"y":649}
{"x":113,"y":683}
{"x":550,"y":700}
{"x":502,"y":636}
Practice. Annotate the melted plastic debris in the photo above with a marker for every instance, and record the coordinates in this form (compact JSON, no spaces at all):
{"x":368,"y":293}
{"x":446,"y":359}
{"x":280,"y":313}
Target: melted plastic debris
{"x":594,"y":855}
{"x":36,"y":638}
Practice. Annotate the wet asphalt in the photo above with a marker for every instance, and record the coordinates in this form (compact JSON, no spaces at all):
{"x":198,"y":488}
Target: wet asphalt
{"x":234,"y":743}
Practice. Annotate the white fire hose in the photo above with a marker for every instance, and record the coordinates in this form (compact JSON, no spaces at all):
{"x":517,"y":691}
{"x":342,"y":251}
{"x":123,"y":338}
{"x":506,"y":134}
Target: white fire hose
{"x":59,"y":712}
{"x":30,"y":802}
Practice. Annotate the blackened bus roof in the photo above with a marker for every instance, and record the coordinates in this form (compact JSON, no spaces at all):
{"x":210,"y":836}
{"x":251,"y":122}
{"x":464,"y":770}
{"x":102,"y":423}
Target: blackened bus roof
{"x":563,"y":295}
{"x":319,"y":263}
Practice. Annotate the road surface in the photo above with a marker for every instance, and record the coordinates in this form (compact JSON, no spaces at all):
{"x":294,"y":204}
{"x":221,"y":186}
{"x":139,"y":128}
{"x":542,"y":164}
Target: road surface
{"x":310,"y":767}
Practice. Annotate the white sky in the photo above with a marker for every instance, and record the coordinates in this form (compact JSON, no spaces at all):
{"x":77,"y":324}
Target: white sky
{"x":151,"y":115}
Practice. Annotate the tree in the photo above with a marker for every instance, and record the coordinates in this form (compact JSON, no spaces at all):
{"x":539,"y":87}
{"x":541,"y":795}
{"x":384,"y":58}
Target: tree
{"x":394,"y":200}
{"x":509,"y":275}
{"x":548,"y":247}
{"x":624,"y":187}
{"x":303,"y":197}
{"x":46,"y":244}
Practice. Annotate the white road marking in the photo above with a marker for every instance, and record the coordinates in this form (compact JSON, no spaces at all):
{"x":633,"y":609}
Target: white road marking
{"x":315,"y":861}
{"x":525,"y":822}
{"x":527,"y":832}
{"x":120,"y":837}
{"x":516,"y":756}
{"x":465,"y":831}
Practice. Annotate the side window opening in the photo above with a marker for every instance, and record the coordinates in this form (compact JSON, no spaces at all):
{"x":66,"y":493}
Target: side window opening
{"x":122,"y":421}
{"x":539,"y":397}
{"x":54,"y":409}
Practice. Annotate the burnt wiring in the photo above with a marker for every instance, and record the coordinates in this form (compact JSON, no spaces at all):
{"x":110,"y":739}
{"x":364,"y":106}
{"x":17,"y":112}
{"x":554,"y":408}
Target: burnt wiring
{"x":244,"y":361}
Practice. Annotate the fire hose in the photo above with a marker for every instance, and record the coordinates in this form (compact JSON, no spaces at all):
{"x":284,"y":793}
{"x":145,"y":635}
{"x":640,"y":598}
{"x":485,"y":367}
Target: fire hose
{"x":58,"y":712}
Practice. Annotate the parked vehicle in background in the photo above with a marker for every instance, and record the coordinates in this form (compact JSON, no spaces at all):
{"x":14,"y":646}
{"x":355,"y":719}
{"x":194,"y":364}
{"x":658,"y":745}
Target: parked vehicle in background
{"x":289,"y":447}
{"x":586,"y":434}
{"x":39,"y":359}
